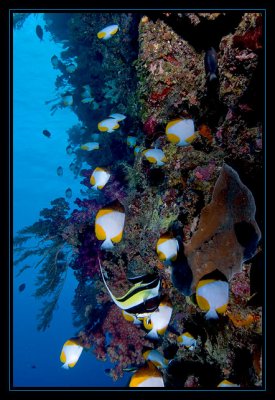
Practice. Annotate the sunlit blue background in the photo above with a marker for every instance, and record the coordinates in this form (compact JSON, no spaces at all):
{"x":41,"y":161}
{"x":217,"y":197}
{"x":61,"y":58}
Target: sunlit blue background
{"x":35,"y":160}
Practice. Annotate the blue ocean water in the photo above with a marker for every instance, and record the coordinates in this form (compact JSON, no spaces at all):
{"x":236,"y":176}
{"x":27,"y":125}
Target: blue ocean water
{"x":35,"y":183}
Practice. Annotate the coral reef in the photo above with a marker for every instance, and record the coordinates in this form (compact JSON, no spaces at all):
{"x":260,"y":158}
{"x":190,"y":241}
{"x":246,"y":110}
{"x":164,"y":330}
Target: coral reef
{"x":202,"y":194}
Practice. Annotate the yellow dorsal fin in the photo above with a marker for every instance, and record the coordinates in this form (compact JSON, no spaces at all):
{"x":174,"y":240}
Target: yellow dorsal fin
{"x":104,"y":211}
{"x":172,"y":123}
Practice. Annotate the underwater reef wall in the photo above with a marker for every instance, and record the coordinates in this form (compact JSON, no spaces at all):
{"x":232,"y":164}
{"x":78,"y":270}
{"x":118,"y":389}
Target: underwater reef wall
{"x":206,"y":194}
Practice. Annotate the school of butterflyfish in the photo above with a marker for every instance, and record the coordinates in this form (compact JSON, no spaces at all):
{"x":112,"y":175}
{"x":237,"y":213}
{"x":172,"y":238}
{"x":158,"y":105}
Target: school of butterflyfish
{"x":143,"y":304}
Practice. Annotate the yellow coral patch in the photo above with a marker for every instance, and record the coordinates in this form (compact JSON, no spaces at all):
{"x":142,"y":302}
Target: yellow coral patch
{"x":117,"y":238}
{"x":172,"y":138}
{"x":100,"y":233}
{"x":202,"y":303}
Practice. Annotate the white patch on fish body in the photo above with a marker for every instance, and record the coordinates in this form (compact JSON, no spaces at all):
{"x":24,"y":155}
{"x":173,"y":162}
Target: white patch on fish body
{"x":156,"y":357}
{"x":152,"y":381}
{"x":217,"y":295}
{"x":90,"y":146}
{"x":117,"y":117}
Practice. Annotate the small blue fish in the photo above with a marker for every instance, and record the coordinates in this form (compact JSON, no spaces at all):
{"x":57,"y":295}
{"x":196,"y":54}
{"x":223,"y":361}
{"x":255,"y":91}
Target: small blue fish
{"x":22,"y":287}
{"x":69,"y":193}
{"x":39,"y":32}
{"x":46,"y":133}
{"x":59,"y":171}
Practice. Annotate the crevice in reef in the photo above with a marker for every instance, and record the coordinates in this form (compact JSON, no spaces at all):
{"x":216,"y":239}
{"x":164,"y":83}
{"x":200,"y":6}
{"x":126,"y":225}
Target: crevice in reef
{"x":206,"y":33}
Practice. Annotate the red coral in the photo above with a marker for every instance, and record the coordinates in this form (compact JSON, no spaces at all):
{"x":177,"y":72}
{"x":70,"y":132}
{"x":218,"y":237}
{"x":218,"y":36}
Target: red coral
{"x":156,"y":96}
{"x":171,"y":59}
{"x":126,"y":342}
{"x":205,"y":173}
{"x":150,"y":125}
{"x":251,"y":39}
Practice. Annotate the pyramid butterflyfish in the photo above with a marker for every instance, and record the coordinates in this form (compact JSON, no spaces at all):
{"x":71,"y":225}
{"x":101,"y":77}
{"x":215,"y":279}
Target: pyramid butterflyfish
{"x":70,"y":353}
{"x":226,"y":383}
{"x":167,"y":248}
{"x":90,"y":146}
{"x":108,"y":125}
{"x":181,"y":131}
{"x":212,"y":294}
{"x":147,"y":376}
{"x":159,"y":320}
{"x":99,"y":178}
{"x":187,"y":340}
{"x":107,"y":32}
{"x":109,"y":224}
{"x":155,"y":156}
